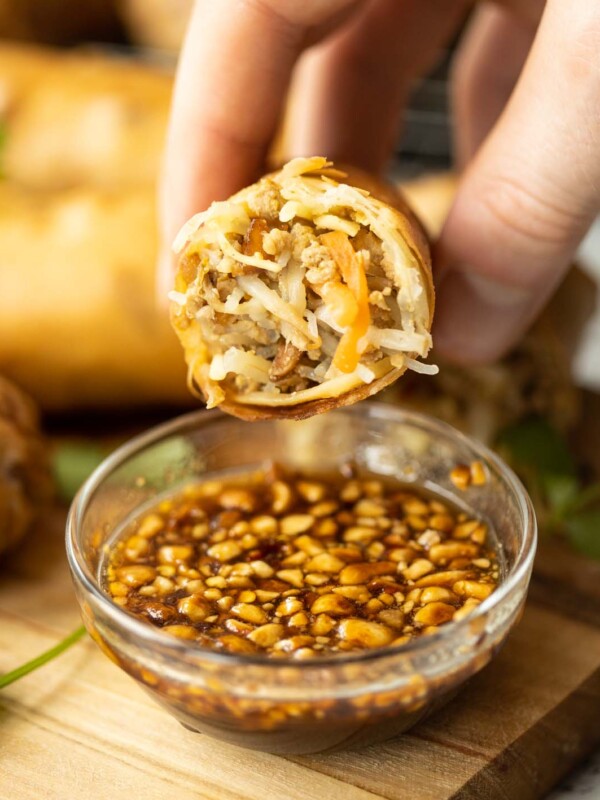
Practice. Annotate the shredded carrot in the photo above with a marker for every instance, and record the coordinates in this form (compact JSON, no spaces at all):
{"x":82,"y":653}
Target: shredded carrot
{"x":346,"y":356}
{"x":340,"y":301}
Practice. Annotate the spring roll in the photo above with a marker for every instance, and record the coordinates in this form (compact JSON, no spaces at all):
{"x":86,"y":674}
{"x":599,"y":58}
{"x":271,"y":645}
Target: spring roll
{"x":306,"y":291}
{"x":80,"y":118}
{"x":25,"y":480}
{"x":80,"y":327}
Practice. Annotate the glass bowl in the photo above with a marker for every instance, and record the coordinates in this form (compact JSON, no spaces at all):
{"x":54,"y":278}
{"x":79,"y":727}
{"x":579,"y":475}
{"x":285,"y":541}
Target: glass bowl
{"x":280,"y":706}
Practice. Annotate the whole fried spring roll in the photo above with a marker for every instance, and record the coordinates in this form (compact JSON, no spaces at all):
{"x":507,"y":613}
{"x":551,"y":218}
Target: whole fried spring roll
{"x":306,"y":291}
{"x":79,"y":324}
{"x":76,"y":118}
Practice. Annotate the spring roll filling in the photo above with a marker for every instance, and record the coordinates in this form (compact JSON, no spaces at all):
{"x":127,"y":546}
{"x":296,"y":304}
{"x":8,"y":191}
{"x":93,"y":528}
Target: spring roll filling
{"x":294,"y":292}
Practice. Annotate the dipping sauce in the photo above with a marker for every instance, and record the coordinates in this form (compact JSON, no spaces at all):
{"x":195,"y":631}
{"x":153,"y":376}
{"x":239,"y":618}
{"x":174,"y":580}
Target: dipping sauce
{"x":287,"y":564}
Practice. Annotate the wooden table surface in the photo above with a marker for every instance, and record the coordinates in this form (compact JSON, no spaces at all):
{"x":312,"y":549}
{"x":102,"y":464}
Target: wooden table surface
{"x":81,"y":729}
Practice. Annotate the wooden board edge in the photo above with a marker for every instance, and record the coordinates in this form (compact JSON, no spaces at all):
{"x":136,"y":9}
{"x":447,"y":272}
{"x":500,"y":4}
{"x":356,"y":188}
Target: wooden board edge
{"x":542,"y":756}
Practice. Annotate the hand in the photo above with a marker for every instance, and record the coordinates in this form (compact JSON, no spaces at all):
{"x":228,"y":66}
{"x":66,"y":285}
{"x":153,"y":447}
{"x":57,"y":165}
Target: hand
{"x":233,"y":76}
{"x":529,"y":192}
{"x":527,"y":110}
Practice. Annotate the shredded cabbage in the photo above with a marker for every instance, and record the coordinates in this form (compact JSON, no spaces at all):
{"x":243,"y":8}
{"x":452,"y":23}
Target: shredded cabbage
{"x":331,"y":222}
{"x":286,"y":312}
{"x":251,"y":261}
{"x":240,"y":362}
{"x":273,"y":303}
{"x":394,"y":339}
{"x":419,"y":366}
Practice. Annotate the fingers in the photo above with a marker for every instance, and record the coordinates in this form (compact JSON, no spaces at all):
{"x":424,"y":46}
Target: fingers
{"x":350,"y":90}
{"x":224,"y":105}
{"x":484,"y":73}
{"x":526,"y":10}
{"x":529,"y":195}
{"x":233,"y":73}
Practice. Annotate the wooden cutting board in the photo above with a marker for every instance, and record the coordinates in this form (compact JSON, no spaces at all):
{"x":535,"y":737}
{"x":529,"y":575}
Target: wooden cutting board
{"x":81,"y":729}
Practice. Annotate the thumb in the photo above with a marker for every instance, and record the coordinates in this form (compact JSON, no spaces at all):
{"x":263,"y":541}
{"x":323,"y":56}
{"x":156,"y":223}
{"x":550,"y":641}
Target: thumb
{"x":530,"y":195}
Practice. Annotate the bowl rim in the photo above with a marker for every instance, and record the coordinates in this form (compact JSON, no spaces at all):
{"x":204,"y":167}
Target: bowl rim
{"x":150,"y":635}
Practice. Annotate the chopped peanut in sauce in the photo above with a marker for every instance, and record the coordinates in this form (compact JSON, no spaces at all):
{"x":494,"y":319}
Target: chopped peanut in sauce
{"x":295,"y":565}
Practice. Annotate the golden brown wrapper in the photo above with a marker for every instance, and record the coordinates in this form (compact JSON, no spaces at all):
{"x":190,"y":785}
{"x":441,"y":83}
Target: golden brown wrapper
{"x":411,"y":230}
{"x":252,"y":413}
{"x":80,"y":118}
{"x":80,"y":324}
{"x":25,"y":480}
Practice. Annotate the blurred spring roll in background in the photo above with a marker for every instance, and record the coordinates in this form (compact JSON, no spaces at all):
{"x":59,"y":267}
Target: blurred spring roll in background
{"x":80,"y":327}
{"x":308,"y":290}
{"x":25,"y":480}
{"x":79,"y":322}
{"x":80,"y":118}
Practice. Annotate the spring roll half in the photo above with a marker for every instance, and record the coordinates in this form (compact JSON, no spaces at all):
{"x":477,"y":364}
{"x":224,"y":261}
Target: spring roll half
{"x":309,"y":290}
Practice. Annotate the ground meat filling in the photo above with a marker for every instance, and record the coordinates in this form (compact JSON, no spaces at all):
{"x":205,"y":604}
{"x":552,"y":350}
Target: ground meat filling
{"x":281,"y":296}
{"x":291,"y":355}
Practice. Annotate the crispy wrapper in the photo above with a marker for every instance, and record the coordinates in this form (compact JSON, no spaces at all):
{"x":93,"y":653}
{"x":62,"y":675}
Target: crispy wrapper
{"x":79,"y":323}
{"x":269,"y":272}
{"x":78,"y":118}
{"x":25,"y":480}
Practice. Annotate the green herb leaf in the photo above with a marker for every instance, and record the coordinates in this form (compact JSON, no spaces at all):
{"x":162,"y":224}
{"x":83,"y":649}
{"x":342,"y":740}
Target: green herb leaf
{"x":73,"y":463}
{"x":536,"y":444}
{"x":44,"y":658}
{"x":561,"y":492}
{"x":160,"y":464}
{"x":588,"y":496}
{"x":583,"y":530}
{"x":542,"y":458}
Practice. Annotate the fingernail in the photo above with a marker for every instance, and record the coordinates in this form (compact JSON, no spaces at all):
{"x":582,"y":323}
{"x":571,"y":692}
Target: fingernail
{"x":477,"y":319}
